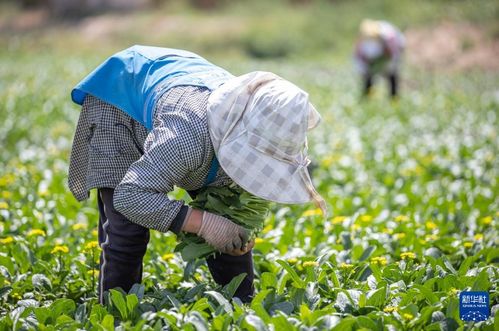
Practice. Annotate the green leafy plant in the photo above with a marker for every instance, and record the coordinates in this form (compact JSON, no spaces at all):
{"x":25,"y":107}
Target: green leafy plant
{"x":232,"y":202}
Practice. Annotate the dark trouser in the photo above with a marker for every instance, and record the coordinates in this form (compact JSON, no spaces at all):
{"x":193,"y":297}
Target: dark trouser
{"x":124,"y":244}
{"x":224,"y":267}
{"x":368,"y":83}
{"x":392,"y":81}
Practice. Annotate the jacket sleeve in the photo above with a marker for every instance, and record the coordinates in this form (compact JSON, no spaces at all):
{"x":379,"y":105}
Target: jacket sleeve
{"x":170,"y":154}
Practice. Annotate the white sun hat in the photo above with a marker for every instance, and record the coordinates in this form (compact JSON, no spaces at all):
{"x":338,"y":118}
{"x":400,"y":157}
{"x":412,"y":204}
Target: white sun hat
{"x":370,"y":28}
{"x":258,"y":124}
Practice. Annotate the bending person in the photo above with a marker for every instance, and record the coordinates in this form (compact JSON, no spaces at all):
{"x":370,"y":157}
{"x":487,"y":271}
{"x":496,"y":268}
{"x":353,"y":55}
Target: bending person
{"x":157,"y":117}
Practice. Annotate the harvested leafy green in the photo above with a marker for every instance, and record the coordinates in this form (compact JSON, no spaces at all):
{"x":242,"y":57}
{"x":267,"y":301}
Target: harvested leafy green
{"x":232,"y":202}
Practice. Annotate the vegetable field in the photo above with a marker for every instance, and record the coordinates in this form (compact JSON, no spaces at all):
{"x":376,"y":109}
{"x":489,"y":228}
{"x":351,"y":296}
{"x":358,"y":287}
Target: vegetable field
{"x":411,"y":184}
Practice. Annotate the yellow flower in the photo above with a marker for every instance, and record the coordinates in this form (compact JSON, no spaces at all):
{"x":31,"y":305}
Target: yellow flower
{"x":414,"y":171}
{"x":6,"y":240}
{"x":259,"y":240}
{"x":430,"y":225}
{"x":366,"y":219}
{"x":36,"y":232}
{"x":310,"y":264}
{"x":467,"y":244}
{"x":355,"y":227}
{"x":329,"y":160}
{"x":267,"y":228}
{"x":292,"y":260}
{"x":346,"y":266}
{"x":168,"y":256}
{"x":95,"y":233}
{"x":358,"y":156}
{"x":427,"y":159}
{"x":401,"y":218}
{"x":60,"y":249}
{"x":381,"y":260}
{"x":78,"y":226}
{"x":453,"y":291}
{"x":6,"y":194}
{"x":91,"y":245}
{"x":399,"y":235}
{"x":198,"y":277}
{"x":16,"y":296}
{"x":478,"y":236}
{"x":487,"y":220}
{"x":4,"y":205}
{"x":390,"y":309}
{"x":93,"y":272}
{"x":6,"y":282}
{"x":407,"y":256}
{"x":338,"y":219}
{"x":407,"y":316}
{"x":387,"y":230}
{"x":312,"y":212}
{"x":43,"y":192}
{"x":431,"y":237}
{"x":7,"y":179}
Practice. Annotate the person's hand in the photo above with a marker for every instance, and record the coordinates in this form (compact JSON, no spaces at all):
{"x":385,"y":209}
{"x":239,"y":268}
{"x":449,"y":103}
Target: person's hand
{"x":244,"y":250}
{"x":223,"y":234}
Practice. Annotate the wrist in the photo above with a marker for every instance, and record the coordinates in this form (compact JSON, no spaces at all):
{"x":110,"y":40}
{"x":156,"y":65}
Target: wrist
{"x":193,"y":220}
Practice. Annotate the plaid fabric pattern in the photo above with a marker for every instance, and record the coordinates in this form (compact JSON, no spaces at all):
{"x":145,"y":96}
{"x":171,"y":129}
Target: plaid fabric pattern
{"x":178,"y":151}
{"x":258,"y":125}
{"x":106,"y":142}
{"x":287,"y":184}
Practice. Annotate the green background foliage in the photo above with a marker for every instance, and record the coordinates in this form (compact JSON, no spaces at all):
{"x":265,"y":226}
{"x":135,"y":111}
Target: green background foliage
{"x":411,"y":184}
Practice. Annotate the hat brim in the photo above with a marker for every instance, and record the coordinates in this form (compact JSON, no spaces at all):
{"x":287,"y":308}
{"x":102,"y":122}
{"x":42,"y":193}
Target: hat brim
{"x":261,"y":174}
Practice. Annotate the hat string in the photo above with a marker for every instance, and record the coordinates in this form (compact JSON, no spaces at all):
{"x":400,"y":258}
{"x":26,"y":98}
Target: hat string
{"x":318,"y":199}
{"x":272,"y":151}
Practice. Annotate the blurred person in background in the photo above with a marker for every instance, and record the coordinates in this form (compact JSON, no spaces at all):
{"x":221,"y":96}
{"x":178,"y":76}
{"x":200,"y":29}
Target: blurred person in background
{"x":153,"y":118}
{"x":378,"y":52}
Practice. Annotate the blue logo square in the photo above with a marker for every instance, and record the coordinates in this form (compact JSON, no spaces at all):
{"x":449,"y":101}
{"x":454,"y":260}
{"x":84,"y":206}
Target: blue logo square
{"x":474,"y":306}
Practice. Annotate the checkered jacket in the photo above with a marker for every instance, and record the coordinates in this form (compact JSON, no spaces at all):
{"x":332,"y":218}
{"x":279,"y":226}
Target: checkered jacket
{"x":110,"y":149}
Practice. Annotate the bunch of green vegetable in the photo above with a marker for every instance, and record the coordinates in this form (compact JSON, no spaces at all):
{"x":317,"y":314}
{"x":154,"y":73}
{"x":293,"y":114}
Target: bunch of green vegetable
{"x":232,"y":202}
